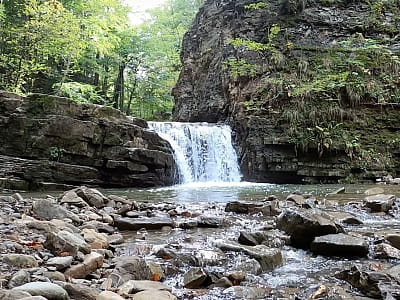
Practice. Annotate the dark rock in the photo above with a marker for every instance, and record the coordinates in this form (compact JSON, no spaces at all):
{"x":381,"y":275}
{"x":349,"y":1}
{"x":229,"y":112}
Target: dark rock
{"x":20,"y":260}
{"x":48,"y":210}
{"x":270,"y":238}
{"x":81,"y":292}
{"x":209,"y":222}
{"x":48,"y":290}
{"x":138,"y":223}
{"x":194,"y":278}
{"x":19,"y":278}
{"x":371,"y":283}
{"x":303,"y":226}
{"x":385,"y":251}
{"x":339,"y":245}
{"x":380,"y":202}
{"x":393,"y":239}
{"x":52,"y":140}
{"x":91,"y":196}
{"x":66,"y":242}
{"x":115,"y":239}
{"x":243,"y":207}
{"x":70,"y":197}
{"x":130,"y":268}
{"x":247,"y":292}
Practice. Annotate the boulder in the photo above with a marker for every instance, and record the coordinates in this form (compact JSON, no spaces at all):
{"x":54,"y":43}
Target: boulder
{"x":91,"y":196}
{"x":243,"y":207}
{"x":70,"y":197}
{"x":296,"y":199}
{"x":247,"y":292}
{"x":48,"y":210}
{"x":108,"y":295}
{"x":48,"y":290}
{"x":394,"y":239}
{"x":379,"y":203}
{"x":385,"y":251}
{"x":270,"y":238}
{"x":374,"y":191}
{"x":66,"y":242}
{"x":94,"y":239}
{"x":372,"y":283}
{"x":138,"y":223}
{"x":209,"y":222}
{"x":135,"y":286}
{"x":19,"y":278}
{"x":269,"y":258}
{"x":20,"y":260}
{"x":91,"y":263}
{"x":130,"y":268}
{"x":81,"y":291}
{"x":60,"y":262}
{"x":304,"y":225}
{"x":195,"y":278}
{"x":154,"y":294}
{"x":13,"y":294}
{"x":339,"y":245}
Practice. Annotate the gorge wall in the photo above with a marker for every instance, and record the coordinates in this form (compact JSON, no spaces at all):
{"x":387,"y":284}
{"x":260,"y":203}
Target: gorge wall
{"x":50,"y":142}
{"x":311,"y":87}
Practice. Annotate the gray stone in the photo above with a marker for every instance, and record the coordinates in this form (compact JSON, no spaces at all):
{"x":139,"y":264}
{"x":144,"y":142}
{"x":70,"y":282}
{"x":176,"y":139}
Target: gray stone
{"x":385,"y":251}
{"x":91,"y":263}
{"x":70,"y":197}
{"x":91,"y":196}
{"x":380,"y":202}
{"x":95,"y":239}
{"x":108,"y":295}
{"x":209,"y":222}
{"x":304,"y":225}
{"x":135,"y":286}
{"x":269,"y":258}
{"x":250,"y":266}
{"x":374,"y":191}
{"x":13,"y":294}
{"x":66,"y":242}
{"x":48,"y":210}
{"x":48,"y":290}
{"x":138,"y":223}
{"x":130,"y":268}
{"x":20,"y":260}
{"x":393,"y":239}
{"x":54,"y":276}
{"x":34,"y":298}
{"x":243,"y":207}
{"x":194,"y":278}
{"x":19,"y":278}
{"x":247,"y":292}
{"x":154,"y":294}
{"x":297,"y":199}
{"x":60,"y":262}
{"x":81,"y":291}
{"x":115,"y":239}
{"x":339,"y":245}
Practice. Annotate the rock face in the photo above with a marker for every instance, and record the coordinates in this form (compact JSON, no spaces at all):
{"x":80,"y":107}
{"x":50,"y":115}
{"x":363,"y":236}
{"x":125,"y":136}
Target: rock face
{"x":287,"y":129}
{"x":50,"y":140}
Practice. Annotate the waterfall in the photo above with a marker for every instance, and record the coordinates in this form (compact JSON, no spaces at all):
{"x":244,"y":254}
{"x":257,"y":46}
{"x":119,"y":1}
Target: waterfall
{"x":203,"y":152}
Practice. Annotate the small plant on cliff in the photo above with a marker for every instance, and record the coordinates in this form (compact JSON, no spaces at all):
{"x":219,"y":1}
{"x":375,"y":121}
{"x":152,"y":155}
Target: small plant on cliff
{"x":56,"y":153}
{"x":256,"y":6}
{"x":240,"y":67}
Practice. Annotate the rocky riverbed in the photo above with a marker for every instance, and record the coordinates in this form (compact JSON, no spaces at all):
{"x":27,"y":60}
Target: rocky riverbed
{"x":83,"y":244}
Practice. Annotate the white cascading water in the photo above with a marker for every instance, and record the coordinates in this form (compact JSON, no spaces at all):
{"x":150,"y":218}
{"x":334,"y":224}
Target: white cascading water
{"x":203,"y":152}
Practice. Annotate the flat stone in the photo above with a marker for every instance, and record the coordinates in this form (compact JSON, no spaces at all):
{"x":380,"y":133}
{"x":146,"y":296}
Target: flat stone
{"x":130,"y":268}
{"x":135,"y":286}
{"x":345,"y":217}
{"x":304,"y":225}
{"x":154,"y":294}
{"x":209,"y":222}
{"x":48,"y":290}
{"x":20,"y":260}
{"x":108,"y":295}
{"x":393,"y":239}
{"x":81,"y":291}
{"x":247,"y":292}
{"x":48,"y":210}
{"x":386,"y":251}
{"x":243,"y":207}
{"x":194,"y":278}
{"x":60,"y":262}
{"x":380,"y":202}
{"x":70,"y":197}
{"x":339,"y":245}
{"x":115,"y":239}
{"x":297,"y":199}
{"x":144,"y":222}
{"x":13,"y":294}
{"x":91,"y":263}
{"x":66,"y":242}
{"x":95,"y":239}
{"x":92,"y":196}
{"x":269,"y":258}
{"x":374,"y":191}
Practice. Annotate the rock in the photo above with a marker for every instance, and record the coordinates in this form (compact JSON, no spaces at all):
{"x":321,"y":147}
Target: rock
{"x":339,"y":245}
{"x":154,"y":294}
{"x":250,"y":266}
{"x":20,"y":260}
{"x":303,"y":226}
{"x":394,"y":271}
{"x":371,"y":283}
{"x":297,"y":199}
{"x":48,"y":290}
{"x":19,"y":278}
{"x":66,"y":242}
{"x":130,"y":268}
{"x":91,"y":263}
{"x":345,"y":217}
{"x":210,"y":257}
{"x":394,"y":240}
{"x":48,"y":210}
{"x":138,"y":223}
{"x":81,"y":291}
{"x":91,"y":196}
{"x":34,"y":298}
{"x":194,"y":278}
{"x":94,"y":239}
{"x":246,"y":238}
{"x":60,"y":263}
{"x":374,"y":191}
{"x":380,"y":202}
{"x":243,"y":207}
{"x":70,"y":197}
{"x":385,"y":251}
{"x":247,"y":292}
{"x":13,"y":295}
{"x":270,"y":238}
{"x":341,"y":190}
{"x":135,"y":286}
{"x":54,"y":276}
{"x":108,"y":295}
{"x":115,"y":239}
{"x":99,"y":226}
{"x":209,"y":222}
{"x":269,"y":258}
{"x":223,"y":282}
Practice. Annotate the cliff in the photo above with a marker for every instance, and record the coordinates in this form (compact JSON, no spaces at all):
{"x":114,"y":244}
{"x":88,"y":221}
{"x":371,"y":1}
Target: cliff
{"x":311,"y":88}
{"x":47,"y":142}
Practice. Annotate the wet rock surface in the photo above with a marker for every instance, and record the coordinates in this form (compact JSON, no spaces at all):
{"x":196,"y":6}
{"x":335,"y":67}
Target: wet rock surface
{"x":235,"y":253}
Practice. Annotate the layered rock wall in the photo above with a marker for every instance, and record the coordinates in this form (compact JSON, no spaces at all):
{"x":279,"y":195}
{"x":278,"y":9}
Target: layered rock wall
{"x":316,"y":101}
{"x":48,"y":140}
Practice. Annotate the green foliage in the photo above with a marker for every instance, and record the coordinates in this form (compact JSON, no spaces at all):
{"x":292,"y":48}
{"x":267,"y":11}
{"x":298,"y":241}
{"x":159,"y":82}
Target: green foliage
{"x":80,"y":92}
{"x":256,"y":6}
{"x":255,"y":46}
{"x":240,"y":67}
{"x":56,"y":153}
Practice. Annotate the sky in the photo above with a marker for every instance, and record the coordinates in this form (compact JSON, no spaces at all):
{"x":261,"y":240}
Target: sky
{"x":139,"y":8}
